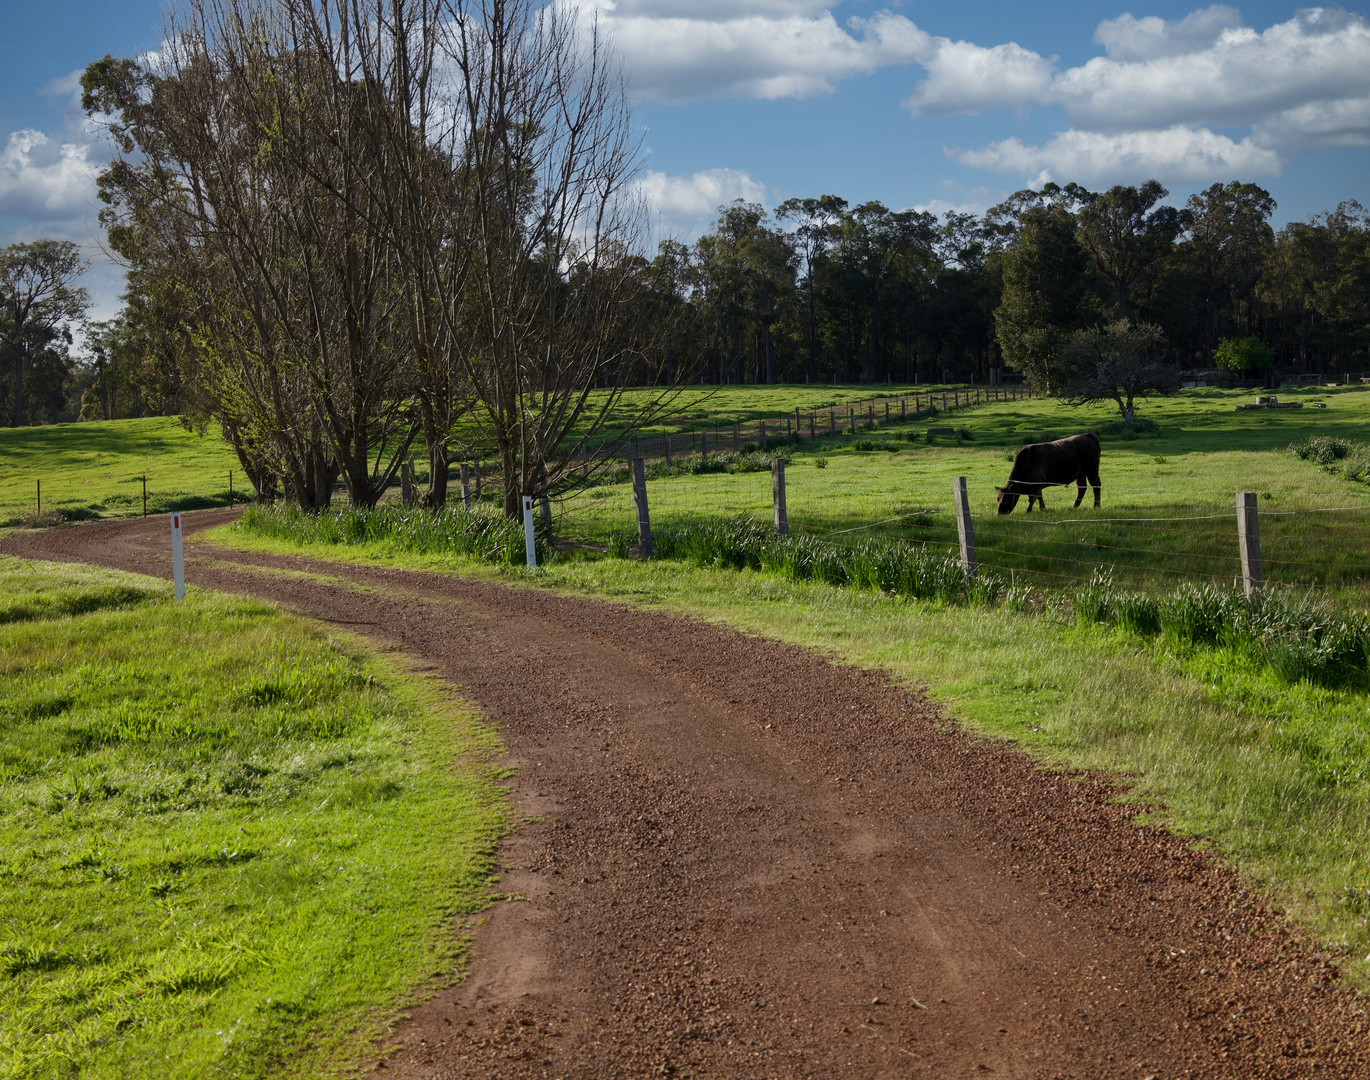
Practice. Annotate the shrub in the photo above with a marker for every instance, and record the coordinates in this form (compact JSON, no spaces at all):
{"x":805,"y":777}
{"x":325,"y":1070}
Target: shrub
{"x":1321,"y":449}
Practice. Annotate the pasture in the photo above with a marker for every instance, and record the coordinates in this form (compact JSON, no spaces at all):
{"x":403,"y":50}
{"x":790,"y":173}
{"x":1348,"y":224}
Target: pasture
{"x":1168,"y":495}
{"x":96,"y":469}
{"x":224,"y":856}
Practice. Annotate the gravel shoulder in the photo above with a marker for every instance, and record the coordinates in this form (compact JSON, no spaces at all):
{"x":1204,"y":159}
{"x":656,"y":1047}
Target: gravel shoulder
{"x":743,"y":860}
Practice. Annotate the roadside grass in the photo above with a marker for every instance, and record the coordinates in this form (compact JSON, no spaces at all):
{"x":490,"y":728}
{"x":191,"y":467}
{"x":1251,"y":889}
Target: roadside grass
{"x":1210,"y":741}
{"x":231,"y":844}
{"x":95,"y":470}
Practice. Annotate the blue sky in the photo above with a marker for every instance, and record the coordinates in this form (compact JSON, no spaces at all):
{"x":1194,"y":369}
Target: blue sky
{"x":934,"y":106}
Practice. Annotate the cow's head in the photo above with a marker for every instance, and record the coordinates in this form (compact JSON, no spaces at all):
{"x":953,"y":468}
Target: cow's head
{"x":1007,"y":499}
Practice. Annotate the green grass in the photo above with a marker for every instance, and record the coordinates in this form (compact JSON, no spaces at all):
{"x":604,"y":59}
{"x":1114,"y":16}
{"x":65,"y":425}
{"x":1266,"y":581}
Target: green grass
{"x":230,"y":843}
{"x":1190,"y":469}
{"x":1274,"y":775}
{"x":96,"y":469}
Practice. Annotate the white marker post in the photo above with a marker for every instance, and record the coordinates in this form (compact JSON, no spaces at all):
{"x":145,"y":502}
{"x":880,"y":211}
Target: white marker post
{"x":528,"y":530}
{"x":178,"y":566}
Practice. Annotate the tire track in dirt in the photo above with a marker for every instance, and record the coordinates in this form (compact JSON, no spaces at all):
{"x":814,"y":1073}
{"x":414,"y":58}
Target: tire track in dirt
{"x":751,"y":862}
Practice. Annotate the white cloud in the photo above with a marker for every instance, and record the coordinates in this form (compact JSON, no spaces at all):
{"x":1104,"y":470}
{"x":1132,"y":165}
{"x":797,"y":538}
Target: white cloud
{"x":41,"y":180}
{"x":761,"y":49}
{"x":1149,"y":107}
{"x":965,"y":78}
{"x":1318,"y":126}
{"x":1128,"y":38}
{"x":1100,"y":158}
{"x":684,"y":202}
{"x":1241,"y":78}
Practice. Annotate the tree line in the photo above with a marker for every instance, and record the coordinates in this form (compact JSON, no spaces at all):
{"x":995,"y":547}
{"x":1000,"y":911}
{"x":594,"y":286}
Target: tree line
{"x":825,"y":290}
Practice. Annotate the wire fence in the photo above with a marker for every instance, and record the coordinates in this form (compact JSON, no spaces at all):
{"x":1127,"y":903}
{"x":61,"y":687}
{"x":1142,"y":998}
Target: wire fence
{"x":1307,"y":540}
{"x":848,"y":419}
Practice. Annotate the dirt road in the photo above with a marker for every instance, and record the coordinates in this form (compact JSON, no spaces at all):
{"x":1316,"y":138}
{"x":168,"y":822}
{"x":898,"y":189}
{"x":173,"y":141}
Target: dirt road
{"x":750,"y":862}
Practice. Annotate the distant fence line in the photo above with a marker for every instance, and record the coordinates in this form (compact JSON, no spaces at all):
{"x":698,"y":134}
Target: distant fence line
{"x":815,"y":423}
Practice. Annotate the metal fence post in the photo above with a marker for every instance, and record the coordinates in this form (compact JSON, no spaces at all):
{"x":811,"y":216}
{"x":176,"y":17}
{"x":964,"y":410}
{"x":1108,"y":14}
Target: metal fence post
{"x":529,"y":539}
{"x":965,"y":531}
{"x":644,"y":524}
{"x":782,"y":520}
{"x":1249,"y":539}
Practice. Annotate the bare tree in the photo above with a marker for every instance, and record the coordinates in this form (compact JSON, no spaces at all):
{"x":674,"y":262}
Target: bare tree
{"x":548,"y":160}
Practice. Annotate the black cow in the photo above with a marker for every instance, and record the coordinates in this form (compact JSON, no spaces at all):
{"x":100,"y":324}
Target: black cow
{"x":1048,"y":464}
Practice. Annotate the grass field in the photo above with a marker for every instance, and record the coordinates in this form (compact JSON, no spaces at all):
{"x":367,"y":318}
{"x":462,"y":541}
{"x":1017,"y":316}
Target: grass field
{"x":236,"y":855}
{"x":1168,"y":497}
{"x":96,"y":470}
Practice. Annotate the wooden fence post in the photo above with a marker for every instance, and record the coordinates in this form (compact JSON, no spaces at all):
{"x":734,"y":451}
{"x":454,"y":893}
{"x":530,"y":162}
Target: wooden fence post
{"x":737,"y":439}
{"x":704,"y":443}
{"x":763,"y":435}
{"x":466,"y":485}
{"x":965,"y":531}
{"x":230,"y":489}
{"x":666,"y":447}
{"x":782,"y":521}
{"x":851,"y":418}
{"x":407,"y":482}
{"x":811,"y":434}
{"x":870,"y":416}
{"x":903,"y":408}
{"x":1249,"y":539}
{"x":832,"y":422}
{"x":39,"y":498}
{"x":644,"y":524}
{"x":144,"y":496}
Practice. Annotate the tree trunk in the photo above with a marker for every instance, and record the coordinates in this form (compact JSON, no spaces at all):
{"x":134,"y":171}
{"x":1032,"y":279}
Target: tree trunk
{"x":19,"y":383}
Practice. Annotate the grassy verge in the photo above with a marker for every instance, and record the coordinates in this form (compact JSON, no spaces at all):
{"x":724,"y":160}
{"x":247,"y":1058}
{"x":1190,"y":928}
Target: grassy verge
{"x":1275,"y":775}
{"x":230,"y":844}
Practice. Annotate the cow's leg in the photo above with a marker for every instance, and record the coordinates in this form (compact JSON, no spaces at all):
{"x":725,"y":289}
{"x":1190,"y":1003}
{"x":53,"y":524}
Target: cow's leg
{"x":1094,"y":483}
{"x":1079,"y":490}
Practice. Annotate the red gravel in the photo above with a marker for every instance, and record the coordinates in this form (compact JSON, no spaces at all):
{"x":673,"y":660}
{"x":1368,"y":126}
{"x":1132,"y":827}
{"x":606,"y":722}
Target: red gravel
{"x":747,"y":861}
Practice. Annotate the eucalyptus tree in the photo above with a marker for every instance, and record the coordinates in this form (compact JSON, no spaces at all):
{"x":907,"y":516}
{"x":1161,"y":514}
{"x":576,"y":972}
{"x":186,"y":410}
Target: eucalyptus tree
{"x":1130,"y":237}
{"x":39,"y":303}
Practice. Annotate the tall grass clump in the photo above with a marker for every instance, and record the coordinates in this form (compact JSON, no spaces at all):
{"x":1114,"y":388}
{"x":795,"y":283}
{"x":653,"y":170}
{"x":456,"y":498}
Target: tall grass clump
{"x":1298,"y":640}
{"x":450,"y":531}
{"x":1341,"y":457}
{"x":747,"y":460}
{"x":890,"y":566}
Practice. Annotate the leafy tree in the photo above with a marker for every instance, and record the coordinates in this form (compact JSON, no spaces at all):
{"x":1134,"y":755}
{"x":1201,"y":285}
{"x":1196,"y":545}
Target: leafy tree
{"x":1245,"y":354}
{"x":1129,"y":237}
{"x":39,"y":302}
{"x":1050,"y":291}
{"x":1228,"y":243}
{"x":1118,"y":362}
